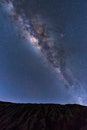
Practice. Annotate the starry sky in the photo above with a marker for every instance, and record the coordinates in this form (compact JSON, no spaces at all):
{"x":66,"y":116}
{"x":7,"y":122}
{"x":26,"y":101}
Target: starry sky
{"x":24,"y":77}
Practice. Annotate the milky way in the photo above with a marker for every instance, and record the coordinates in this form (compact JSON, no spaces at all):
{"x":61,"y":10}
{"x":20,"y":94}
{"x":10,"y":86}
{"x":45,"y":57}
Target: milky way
{"x":39,"y":34}
{"x":41,"y":38}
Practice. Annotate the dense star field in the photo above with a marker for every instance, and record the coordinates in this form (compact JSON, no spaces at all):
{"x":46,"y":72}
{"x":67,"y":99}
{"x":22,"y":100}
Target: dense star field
{"x":43,"y":51}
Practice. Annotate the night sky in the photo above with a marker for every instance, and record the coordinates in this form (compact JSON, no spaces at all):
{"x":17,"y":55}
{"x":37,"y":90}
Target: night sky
{"x":24,"y":76}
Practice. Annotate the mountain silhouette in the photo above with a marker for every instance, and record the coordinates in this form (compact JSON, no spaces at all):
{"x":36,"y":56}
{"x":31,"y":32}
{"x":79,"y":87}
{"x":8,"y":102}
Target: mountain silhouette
{"x":15,"y":116}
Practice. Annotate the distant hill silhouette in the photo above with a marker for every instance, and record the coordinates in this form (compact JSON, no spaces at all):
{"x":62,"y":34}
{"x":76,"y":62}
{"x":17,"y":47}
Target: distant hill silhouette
{"x":42,"y":117}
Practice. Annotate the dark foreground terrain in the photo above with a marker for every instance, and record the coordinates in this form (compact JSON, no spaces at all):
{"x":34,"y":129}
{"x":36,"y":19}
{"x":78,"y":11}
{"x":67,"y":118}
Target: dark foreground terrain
{"x":42,"y":117}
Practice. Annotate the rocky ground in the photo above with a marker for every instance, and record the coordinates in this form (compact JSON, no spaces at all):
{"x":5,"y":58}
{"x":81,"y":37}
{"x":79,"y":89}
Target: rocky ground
{"x":42,"y":117}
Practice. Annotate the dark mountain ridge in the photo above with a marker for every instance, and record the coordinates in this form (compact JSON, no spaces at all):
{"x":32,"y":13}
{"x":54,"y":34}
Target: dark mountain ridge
{"x":15,"y":116}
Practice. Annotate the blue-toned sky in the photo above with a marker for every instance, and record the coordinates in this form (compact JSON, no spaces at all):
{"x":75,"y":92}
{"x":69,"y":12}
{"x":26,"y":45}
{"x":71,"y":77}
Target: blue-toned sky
{"x":24,"y":77}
